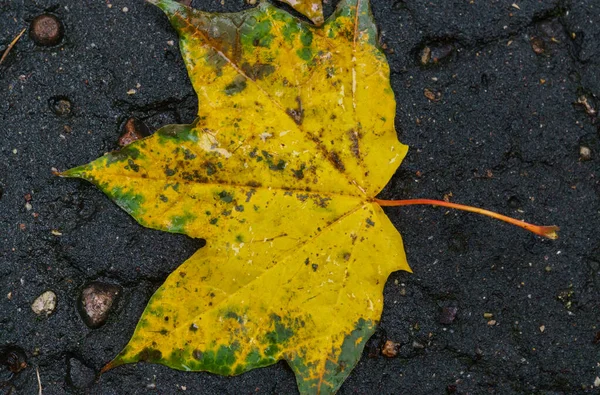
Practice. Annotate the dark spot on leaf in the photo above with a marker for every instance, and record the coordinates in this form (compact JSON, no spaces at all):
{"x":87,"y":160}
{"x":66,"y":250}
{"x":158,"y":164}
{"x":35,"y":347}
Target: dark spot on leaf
{"x":197,"y":354}
{"x":239,"y":208}
{"x":346,"y":256}
{"x":213,"y":221}
{"x":315,"y":267}
{"x":370,"y":222}
{"x":297,"y":114}
{"x":149,"y":355}
{"x":133,"y":166}
{"x":354,"y":147}
{"x":299,"y":174}
{"x":334,"y":158}
{"x":278,"y":167}
{"x":307,"y":261}
{"x":258,"y":71}
{"x":163,"y":198}
{"x":232,"y":316}
{"x":188,"y":155}
{"x":238,"y":85}
{"x":249,"y":195}
{"x":210,"y":168}
{"x":226,"y":196}
{"x":169,"y":172}
{"x":302,"y":197}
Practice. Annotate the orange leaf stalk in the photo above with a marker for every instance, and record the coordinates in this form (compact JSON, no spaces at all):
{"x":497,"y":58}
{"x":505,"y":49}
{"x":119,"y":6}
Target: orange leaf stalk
{"x":544,"y":231}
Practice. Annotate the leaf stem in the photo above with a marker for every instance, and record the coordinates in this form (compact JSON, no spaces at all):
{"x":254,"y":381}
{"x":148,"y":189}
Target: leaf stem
{"x":544,"y":231}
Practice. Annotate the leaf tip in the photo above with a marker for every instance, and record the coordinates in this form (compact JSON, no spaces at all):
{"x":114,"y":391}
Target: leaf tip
{"x":74,"y":172}
{"x":111,"y":365}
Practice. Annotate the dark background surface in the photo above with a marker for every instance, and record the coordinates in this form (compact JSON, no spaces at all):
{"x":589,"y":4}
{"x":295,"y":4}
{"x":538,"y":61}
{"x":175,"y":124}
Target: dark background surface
{"x":504,"y":134}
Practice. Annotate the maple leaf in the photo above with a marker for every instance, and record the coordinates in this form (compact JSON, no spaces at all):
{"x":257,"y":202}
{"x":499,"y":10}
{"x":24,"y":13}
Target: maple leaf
{"x":312,"y":9}
{"x":294,"y":138}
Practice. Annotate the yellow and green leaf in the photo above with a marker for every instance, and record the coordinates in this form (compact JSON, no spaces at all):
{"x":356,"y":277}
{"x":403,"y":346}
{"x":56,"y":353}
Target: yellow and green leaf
{"x":294,"y":139}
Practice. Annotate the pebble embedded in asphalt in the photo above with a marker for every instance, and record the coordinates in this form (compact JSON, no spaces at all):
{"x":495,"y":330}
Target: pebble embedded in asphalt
{"x":44,"y":304}
{"x":60,"y":105}
{"x":46,"y":30}
{"x":96,"y":301}
{"x":13,"y":357}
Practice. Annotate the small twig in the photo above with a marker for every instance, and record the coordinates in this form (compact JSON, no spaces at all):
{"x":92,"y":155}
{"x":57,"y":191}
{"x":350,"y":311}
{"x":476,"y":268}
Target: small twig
{"x":12,"y":44}
{"x":37,"y":372}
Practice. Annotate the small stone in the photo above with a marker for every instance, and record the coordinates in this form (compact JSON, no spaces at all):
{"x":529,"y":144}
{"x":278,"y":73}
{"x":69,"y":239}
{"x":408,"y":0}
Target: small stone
{"x":44,"y":304}
{"x":538,"y":45}
{"x":60,"y":105}
{"x":597,"y":382}
{"x":585,"y":153}
{"x":542,"y":328}
{"x":436,"y":52}
{"x":46,"y":30}
{"x":133,"y":129}
{"x":79,"y":375}
{"x":448,"y":315}
{"x":425,"y":55}
{"x":587,"y":105}
{"x":487,"y":316}
{"x":390,"y":349}
{"x":431,"y":95}
{"x":417,"y":345}
{"x":96,"y":302}
{"x":492,"y":322}
{"x":13,"y":357}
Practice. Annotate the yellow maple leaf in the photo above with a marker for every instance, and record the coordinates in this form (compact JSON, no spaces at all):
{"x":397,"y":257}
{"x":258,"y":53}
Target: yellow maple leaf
{"x":294,"y":139}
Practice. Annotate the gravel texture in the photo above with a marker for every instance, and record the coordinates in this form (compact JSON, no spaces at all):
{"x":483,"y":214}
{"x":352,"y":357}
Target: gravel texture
{"x":496,"y":116}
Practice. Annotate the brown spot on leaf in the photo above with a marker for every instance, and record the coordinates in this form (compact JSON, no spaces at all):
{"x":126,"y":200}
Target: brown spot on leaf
{"x":354,"y":147}
{"x":149,"y":355}
{"x":258,"y":71}
{"x":334,"y":158}
{"x":296,"y":114}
